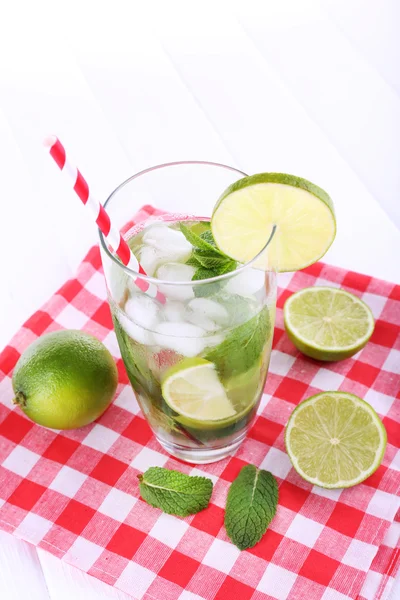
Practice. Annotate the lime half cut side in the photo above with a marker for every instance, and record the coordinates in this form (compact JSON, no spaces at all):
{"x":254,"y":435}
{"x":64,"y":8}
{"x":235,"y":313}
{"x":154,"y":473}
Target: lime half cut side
{"x":335,"y":440}
{"x":193,"y":390}
{"x":246,"y":213}
{"x":327,"y":323}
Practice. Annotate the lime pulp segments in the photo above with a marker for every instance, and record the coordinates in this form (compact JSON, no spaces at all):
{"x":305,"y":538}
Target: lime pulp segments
{"x":193,"y":390}
{"x":327,"y":323}
{"x":303,"y":213}
{"x":335,"y":440}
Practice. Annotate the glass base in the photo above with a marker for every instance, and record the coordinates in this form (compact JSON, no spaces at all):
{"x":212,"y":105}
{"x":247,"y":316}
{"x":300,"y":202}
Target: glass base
{"x":201,"y":456}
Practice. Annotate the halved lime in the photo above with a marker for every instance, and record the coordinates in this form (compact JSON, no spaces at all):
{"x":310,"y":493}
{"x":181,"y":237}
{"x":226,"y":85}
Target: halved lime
{"x":193,"y":390}
{"x":335,"y":440}
{"x":245,"y":214}
{"x":327,"y":323}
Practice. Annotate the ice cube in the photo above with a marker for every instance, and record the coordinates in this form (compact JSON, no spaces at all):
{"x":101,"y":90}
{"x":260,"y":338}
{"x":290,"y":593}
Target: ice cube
{"x":184,"y":338}
{"x":171,"y":243}
{"x":206,"y":313}
{"x":246,"y":283}
{"x":173,"y":311}
{"x":139,"y":334}
{"x":201,"y":320}
{"x":173,"y":271}
{"x":142,"y":310}
{"x":149,"y":258}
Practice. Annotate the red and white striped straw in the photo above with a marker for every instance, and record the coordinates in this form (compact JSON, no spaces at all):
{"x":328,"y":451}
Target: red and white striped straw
{"x":112,"y":235}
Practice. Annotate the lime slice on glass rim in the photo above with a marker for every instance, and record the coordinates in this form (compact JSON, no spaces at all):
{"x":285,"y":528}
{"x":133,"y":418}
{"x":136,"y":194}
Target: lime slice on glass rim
{"x":327,"y":323}
{"x":246,"y":213}
{"x":193,"y":390}
{"x":335,"y":440}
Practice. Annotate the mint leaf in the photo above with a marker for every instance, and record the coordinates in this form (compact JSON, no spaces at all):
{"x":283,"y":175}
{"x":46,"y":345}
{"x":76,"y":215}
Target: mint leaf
{"x":229,"y":265}
{"x":196,"y":240}
{"x":193,"y":262}
{"x":136,"y":365}
{"x":214,"y":261}
{"x":202,"y":273}
{"x":173,"y":492}
{"x":207,"y":236}
{"x":240,"y":309}
{"x":206,"y":258}
{"x":251,"y":506}
{"x":206,"y":290}
{"x":243,"y":346}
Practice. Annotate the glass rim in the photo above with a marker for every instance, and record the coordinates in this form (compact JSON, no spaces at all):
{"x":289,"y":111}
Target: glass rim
{"x":198,"y":282}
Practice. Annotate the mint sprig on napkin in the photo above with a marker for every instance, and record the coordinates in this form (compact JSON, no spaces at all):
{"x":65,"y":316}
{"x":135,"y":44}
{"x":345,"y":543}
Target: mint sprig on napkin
{"x":251,"y":506}
{"x":174,"y":492}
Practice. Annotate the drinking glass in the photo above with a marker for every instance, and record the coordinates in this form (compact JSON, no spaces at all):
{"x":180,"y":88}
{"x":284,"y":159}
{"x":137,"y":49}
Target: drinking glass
{"x":236,"y":348}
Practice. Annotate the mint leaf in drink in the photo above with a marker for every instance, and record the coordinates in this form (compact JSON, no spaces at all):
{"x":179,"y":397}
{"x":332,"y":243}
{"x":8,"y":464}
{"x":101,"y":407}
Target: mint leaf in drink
{"x":197,"y":241}
{"x":207,"y":236}
{"x":193,"y":262}
{"x":240,"y":309}
{"x":208,"y":289}
{"x":250,"y":507}
{"x":242,"y":347}
{"x":173,"y":492}
{"x":228,"y":266}
{"x":136,"y":364}
{"x":202,"y":273}
{"x":210,"y":260}
{"x":206,"y":258}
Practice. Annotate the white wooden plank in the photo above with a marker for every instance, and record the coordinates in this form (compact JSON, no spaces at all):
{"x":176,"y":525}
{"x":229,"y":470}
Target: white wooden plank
{"x":24,"y":242}
{"x":65,"y":582}
{"x":157,"y":119}
{"x":47,"y":231}
{"x":21,"y":575}
{"x":373,"y":28}
{"x":266,"y":129}
{"x":348,"y":99}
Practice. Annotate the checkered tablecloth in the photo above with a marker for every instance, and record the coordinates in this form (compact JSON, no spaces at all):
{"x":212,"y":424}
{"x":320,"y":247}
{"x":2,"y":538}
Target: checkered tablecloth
{"x":75,"y":493}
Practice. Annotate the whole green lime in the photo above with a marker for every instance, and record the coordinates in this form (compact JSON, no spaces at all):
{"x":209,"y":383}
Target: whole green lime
{"x":65,"y":380}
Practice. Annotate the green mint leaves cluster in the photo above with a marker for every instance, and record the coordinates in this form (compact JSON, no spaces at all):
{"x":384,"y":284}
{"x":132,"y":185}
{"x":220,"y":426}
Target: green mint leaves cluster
{"x":251,"y":504}
{"x":243,"y":346}
{"x":206,"y":258}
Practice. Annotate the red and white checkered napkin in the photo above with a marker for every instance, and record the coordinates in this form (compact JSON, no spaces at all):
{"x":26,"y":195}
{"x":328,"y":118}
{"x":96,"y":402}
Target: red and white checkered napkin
{"x":76,"y":493}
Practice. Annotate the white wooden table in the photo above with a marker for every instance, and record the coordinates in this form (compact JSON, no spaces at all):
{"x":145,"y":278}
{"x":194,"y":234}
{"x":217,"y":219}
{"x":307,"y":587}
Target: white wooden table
{"x":308,"y":87}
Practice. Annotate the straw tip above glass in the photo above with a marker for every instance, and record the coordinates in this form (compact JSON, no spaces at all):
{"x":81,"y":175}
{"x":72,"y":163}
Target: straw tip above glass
{"x":49,"y":141}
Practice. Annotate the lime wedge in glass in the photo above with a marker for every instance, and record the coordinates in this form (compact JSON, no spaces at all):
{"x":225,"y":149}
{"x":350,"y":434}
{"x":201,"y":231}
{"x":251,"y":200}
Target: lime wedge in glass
{"x":245,"y":214}
{"x":243,"y":390}
{"x":193,"y":390}
{"x":335,"y":440}
{"x":327,"y":323}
